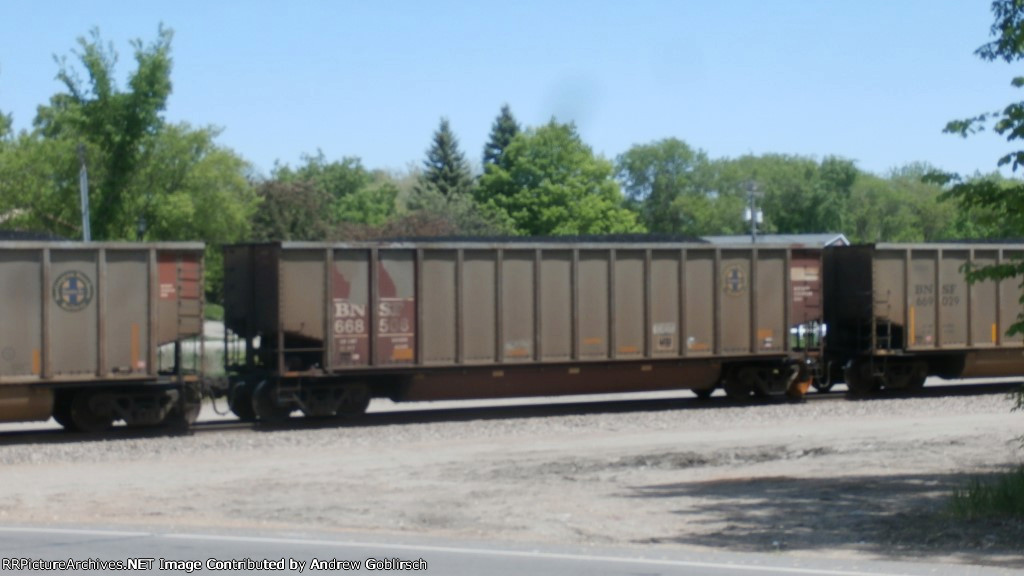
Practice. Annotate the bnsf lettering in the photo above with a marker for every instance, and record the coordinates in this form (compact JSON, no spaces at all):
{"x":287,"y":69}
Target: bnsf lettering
{"x":392,"y":320}
{"x":390,"y":309}
{"x":949,"y":296}
{"x":349,"y":310}
{"x":925,"y":294}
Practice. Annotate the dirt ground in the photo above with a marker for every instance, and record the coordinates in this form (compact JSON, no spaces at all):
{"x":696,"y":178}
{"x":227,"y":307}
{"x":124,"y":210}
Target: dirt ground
{"x":834,"y":478}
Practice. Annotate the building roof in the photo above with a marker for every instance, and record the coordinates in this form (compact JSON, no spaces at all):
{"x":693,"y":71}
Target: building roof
{"x":817,"y":240}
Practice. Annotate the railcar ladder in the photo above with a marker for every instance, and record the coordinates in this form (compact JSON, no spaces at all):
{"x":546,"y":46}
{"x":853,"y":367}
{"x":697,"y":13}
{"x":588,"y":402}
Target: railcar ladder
{"x":190,"y":316}
{"x":883,"y":341}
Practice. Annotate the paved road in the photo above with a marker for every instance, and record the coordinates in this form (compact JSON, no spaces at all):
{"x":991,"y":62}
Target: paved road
{"x":248,"y":553}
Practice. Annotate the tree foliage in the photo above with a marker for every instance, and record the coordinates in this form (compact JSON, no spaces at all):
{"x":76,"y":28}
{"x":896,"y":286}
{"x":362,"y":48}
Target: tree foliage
{"x":5,"y":126}
{"x":291,"y":210}
{"x":1000,"y":202}
{"x":446,"y":170}
{"x":353,"y":194}
{"x":800,"y":195}
{"x":503,"y":131}
{"x":549,"y":182}
{"x":667,"y":183}
{"x":458,"y":214}
{"x":116,"y":123}
{"x":899,"y":208}
{"x":147,"y":177}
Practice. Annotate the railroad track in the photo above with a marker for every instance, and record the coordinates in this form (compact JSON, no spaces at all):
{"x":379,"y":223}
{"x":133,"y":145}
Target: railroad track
{"x":507,"y":410}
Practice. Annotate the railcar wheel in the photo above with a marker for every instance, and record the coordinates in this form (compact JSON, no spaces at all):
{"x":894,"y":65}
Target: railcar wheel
{"x":354,"y":401}
{"x":918,"y":374}
{"x":703,"y":393}
{"x":859,"y":379}
{"x":240,"y":401}
{"x":62,"y":410}
{"x":85,"y":418}
{"x":267,"y":410}
{"x":741,"y":384}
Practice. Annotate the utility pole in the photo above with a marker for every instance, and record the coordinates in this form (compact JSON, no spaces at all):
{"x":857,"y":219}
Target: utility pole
{"x":83,"y":190}
{"x":752,"y":214}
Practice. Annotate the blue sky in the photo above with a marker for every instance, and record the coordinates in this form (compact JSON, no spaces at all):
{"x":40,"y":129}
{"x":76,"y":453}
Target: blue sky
{"x":874,"y":81}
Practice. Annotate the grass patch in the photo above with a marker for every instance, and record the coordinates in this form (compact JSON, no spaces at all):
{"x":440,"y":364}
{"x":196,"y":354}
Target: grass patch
{"x":1002,"y":497}
{"x":213,"y":312}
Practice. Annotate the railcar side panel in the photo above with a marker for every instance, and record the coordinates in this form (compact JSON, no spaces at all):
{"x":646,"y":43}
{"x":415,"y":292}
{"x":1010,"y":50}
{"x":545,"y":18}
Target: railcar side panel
{"x":21,"y":334}
{"x":630,"y":304}
{"x":593,"y":305}
{"x":1009,"y":302}
{"x":805,"y":276}
{"x":438,"y":307}
{"x":479,"y":306}
{"x":556,"y":305}
{"x":349,"y":305}
{"x":772,"y":327}
{"x":921,"y":300}
{"x":518,"y":306}
{"x":302,"y":285}
{"x":984,"y":307}
{"x":396,"y":307}
{"x":664,"y":303}
{"x":952,"y":293}
{"x":127,"y":318}
{"x":702,"y":302}
{"x":73,"y":350}
{"x":735,"y":308}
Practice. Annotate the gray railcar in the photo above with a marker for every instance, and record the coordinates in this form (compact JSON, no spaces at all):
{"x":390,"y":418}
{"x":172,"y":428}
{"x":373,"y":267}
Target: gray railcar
{"x":898,"y":313}
{"x":321,"y":328}
{"x":82,"y":329}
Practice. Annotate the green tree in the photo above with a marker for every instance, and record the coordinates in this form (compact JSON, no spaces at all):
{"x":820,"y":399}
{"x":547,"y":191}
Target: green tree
{"x":446,"y":170}
{"x":880,"y":212}
{"x":798,"y":195}
{"x":1003,"y":199}
{"x":664,"y":182}
{"x":549,"y":182}
{"x":503,"y":131}
{"x":193,"y":188}
{"x":291,"y":210}
{"x":5,"y":126}
{"x":356,"y":195}
{"x":458,"y":215}
{"x":169,"y":181}
{"x":115,"y":123}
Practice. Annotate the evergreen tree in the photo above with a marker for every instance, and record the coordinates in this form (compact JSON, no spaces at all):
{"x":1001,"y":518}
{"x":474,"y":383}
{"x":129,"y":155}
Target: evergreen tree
{"x":446,"y":170}
{"x":503,"y":131}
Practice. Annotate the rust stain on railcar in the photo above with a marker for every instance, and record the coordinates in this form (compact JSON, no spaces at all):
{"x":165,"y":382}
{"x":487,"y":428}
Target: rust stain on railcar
{"x":396,"y":308}
{"x":395,"y":317}
{"x":350,"y":344}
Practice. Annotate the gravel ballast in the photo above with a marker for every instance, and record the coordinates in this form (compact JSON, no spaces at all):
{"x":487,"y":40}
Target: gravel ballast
{"x":825,"y":477}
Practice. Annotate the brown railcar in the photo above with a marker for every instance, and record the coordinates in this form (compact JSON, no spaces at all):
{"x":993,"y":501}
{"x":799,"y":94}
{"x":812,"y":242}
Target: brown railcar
{"x":83,"y":326}
{"x":898,"y":313}
{"x":321,"y":328}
